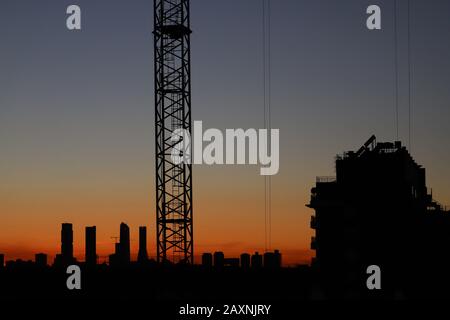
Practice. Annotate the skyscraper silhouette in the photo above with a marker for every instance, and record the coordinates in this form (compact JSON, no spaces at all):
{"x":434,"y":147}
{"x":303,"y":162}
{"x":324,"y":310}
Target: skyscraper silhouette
{"x":124,"y":245}
{"x":142,"y":254}
{"x":66,"y":243}
{"x":90,"y":246}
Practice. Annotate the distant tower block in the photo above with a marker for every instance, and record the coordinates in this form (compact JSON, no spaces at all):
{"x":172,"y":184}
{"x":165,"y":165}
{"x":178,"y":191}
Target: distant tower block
{"x":207,"y":260}
{"x":91,"y":247}
{"x":2,"y":260}
{"x":67,"y":243}
{"x":219,"y":259}
{"x":173,"y":111}
{"x":257,"y":260}
{"x":124,"y":245}
{"x":245,"y":260}
{"x":40,"y":259}
{"x":272,"y":260}
{"x":142,"y":255}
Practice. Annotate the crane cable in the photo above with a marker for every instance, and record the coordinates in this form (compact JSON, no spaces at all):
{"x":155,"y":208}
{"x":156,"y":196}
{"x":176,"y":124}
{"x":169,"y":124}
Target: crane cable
{"x":264,"y":113}
{"x":266,"y":25}
{"x":409,"y":76}
{"x":269,"y":113}
{"x":396,"y":66}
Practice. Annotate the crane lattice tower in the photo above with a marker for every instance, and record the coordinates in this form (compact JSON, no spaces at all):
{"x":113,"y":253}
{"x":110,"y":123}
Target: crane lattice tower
{"x":172,"y":111}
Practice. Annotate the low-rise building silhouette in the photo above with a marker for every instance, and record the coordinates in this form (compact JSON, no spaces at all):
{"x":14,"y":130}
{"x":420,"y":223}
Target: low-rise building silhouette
{"x":219,"y":258}
{"x":112,"y":260}
{"x":40,"y":260}
{"x":231,"y":262}
{"x":257,"y":260}
{"x":207,"y":260}
{"x":245,"y":261}
{"x":272,"y":260}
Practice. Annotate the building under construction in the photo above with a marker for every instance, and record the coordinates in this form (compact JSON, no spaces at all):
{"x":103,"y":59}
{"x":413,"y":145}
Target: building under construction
{"x":377,"y":211}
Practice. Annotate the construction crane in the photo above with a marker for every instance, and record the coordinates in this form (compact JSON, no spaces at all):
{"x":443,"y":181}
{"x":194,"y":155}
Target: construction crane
{"x":172,"y":111}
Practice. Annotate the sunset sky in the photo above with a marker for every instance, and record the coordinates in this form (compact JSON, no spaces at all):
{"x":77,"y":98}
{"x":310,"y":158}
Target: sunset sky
{"x":77,"y":114}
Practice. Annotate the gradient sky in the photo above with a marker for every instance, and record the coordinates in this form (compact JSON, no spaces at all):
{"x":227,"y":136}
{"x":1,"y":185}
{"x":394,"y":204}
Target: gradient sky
{"x":77,"y":113}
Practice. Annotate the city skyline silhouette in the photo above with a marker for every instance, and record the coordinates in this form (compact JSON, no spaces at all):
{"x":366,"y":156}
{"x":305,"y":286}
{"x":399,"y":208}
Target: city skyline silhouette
{"x":376,"y":211}
{"x":76,"y":114}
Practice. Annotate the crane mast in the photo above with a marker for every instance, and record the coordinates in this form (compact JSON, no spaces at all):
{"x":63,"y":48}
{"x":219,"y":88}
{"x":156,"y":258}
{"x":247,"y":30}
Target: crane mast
{"x":172,"y":111}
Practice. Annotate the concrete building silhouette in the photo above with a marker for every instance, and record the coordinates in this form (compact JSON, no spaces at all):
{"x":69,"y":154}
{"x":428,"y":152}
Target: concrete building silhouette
{"x":219,"y":259}
{"x":66,"y":243}
{"x":207,"y":260}
{"x":142,"y":253}
{"x":257,"y":260}
{"x":245,"y":261}
{"x":2,"y":260}
{"x":376,"y":211}
{"x":40,"y":259}
{"x":231,"y":262}
{"x":272,"y":260}
{"x":278,"y":259}
{"x":112,"y":259}
{"x":91,"y":246}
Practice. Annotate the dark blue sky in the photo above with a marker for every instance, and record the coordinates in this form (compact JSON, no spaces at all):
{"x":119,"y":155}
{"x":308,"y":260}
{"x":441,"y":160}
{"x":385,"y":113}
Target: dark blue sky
{"x":80,"y":104}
